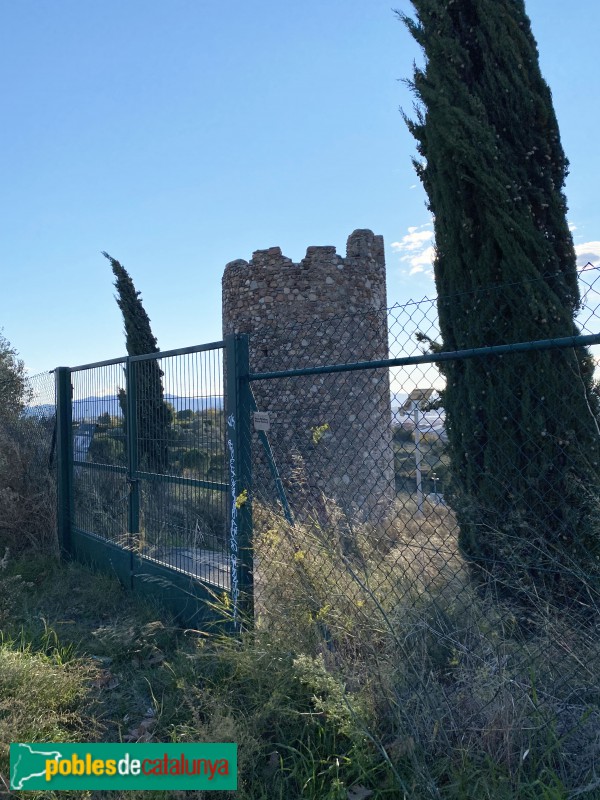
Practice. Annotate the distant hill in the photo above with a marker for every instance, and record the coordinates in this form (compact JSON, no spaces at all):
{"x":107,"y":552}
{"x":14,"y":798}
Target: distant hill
{"x":431,"y":422}
{"x":91,"y":408}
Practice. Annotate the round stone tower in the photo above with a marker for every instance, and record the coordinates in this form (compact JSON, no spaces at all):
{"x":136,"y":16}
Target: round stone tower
{"x":330,"y":433}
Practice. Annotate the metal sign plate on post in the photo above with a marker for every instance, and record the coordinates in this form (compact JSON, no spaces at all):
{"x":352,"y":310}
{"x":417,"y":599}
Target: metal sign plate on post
{"x":262,"y":421}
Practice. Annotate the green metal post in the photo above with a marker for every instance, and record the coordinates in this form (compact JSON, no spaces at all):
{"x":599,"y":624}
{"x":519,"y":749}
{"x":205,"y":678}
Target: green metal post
{"x":64,"y":457}
{"x":239,"y":455}
{"x":133,"y":511}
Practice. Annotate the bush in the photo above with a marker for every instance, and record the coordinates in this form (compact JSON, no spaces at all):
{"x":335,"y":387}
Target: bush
{"x":27,"y":484}
{"x":13,"y":387}
{"x":27,"y":487}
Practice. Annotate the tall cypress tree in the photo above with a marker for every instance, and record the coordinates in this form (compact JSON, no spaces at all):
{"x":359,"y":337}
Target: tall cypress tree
{"x":153,"y":414}
{"x":523,"y":429}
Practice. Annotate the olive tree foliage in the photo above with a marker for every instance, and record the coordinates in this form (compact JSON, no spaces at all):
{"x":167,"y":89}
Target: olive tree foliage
{"x":27,"y":481}
{"x":13,"y":385}
{"x":524,"y":440}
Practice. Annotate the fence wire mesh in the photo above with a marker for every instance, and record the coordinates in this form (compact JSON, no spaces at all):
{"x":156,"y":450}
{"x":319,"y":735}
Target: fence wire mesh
{"x":393,"y":537}
{"x":180,"y":460}
{"x":149,"y":458}
{"x":100,"y":487}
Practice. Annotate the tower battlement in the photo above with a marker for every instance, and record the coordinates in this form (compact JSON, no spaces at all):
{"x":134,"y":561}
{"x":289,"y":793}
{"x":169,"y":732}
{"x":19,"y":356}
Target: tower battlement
{"x":324,"y":284}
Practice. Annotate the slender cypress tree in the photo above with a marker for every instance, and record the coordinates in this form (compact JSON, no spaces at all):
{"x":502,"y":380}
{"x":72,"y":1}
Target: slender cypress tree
{"x":153,"y":414}
{"x":523,"y":429}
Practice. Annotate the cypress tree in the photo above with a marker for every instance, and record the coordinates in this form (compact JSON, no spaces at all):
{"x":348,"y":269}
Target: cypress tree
{"x":523,"y":429}
{"x":153,"y":414}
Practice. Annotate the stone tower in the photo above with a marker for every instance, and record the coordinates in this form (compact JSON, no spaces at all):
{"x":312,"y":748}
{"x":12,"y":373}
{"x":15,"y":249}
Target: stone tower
{"x":330,"y":433}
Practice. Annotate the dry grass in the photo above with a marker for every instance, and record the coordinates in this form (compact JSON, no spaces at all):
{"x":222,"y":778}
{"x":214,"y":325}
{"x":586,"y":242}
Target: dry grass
{"x":459,"y":682}
{"x":376,"y":662}
{"x":27,"y":490}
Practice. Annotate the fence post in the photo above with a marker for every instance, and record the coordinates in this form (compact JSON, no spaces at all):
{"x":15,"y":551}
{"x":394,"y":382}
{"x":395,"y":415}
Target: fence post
{"x":133,"y":508}
{"x":239,"y":455}
{"x":64,"y":458}
{"x":418,"y":459}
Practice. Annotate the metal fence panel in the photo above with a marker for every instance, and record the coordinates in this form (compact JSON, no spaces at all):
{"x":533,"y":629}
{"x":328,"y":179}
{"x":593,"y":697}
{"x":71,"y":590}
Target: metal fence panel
{"x":144,"y":480}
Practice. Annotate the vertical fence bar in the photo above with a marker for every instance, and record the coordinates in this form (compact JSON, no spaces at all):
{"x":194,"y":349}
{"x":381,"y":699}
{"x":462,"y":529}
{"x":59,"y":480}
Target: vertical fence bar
{"x":239,"y":454}
{"x":133,"y":510}
{"x":64,"y":457}
{"x":418,"y":459}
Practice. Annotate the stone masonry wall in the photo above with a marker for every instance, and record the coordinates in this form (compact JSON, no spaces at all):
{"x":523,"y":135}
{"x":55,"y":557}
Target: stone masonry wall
{"x":330,"y":433}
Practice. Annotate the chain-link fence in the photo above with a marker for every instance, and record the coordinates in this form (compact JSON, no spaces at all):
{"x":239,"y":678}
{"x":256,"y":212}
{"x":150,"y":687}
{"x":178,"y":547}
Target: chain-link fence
{"x":439,"y":549}
{"x":447,"y":551}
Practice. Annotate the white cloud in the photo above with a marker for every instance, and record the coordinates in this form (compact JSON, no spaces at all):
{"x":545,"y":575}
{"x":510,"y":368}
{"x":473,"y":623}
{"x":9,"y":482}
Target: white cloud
{"x":416,"y":249}
{"x":572,"y":226}
{"x":421,"y":262}
{"x":414,"y":240}
{"x":588,"y":252}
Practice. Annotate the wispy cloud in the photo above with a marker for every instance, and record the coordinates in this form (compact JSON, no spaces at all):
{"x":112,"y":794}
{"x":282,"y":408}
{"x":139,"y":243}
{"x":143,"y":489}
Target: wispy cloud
{"x":415,"y":239}
{"x":417,"y":249}
{"x":588,"y":252}
{"x":423,"y":262}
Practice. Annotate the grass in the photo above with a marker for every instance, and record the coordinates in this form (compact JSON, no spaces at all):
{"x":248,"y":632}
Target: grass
{"x":468,"y":695}
{"x":377,"y":669}
{"x":82,"y":660}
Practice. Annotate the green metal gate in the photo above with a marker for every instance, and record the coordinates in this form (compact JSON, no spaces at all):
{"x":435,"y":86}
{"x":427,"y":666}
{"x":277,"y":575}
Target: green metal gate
{"x":154,"y":476}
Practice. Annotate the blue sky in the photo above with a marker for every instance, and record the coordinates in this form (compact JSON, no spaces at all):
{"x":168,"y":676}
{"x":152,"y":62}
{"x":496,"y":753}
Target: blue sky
{"x":181,"y":135}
